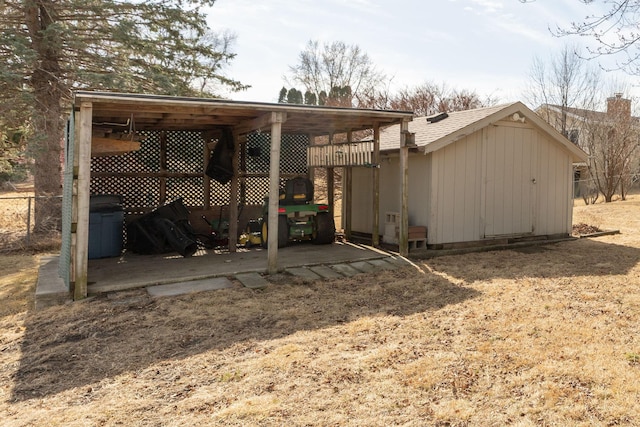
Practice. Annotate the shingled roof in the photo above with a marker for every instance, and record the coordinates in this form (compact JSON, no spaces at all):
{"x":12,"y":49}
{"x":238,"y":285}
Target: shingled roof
{"x":432,"y":136}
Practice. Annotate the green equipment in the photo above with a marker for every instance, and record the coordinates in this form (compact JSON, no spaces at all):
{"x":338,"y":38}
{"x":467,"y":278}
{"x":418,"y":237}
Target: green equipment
{"x":298,"y":217}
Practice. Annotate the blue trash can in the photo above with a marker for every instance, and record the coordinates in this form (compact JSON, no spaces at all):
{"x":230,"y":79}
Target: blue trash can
{"x":106,"y":218}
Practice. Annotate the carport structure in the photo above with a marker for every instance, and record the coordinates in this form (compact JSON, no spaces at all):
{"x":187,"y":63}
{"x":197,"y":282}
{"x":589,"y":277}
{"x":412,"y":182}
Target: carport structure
{"x":106,"y":126}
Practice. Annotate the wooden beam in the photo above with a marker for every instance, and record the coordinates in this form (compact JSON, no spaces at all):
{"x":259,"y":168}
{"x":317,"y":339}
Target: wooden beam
{"x":233,"y":196}
{"x":242,"y":169}
{"x":274,"y":187}
{"x":102,"y":147}
{"x":206,"y":180}
{"x":403,"y":238}
{"x":147,"y":174}
{"x":163,"y":167}
{"x":311,"y":172}
{"x":84,"y":180}
{"x":375,"y":232}
{"x":330,"y":182}
{"x":347,"y":195}
{"x":260,"y":122}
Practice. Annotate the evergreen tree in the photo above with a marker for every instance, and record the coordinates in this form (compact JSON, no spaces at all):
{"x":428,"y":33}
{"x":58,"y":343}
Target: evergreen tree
{"x":282,"y":97}
{"x":310,"y":98}
{"x":50,"y":47}
{"x":294,"y":96}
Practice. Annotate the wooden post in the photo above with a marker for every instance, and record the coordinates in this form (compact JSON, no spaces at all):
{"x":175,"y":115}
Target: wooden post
{"x":243,"y":170}
{"x":330,"y":181}
{"x":311,"y":172}
{"x":163,"y":167}
{"x":274,"y":186}
{"x":347,"y":195}
{"x":375,"y":238}
{"x":84,"y":178}
{"x":29,"y":221}
{"x":74,"y":199}
{"x":233,"y":196}
{"x":403,"y":238}
{"x":206,"y":181}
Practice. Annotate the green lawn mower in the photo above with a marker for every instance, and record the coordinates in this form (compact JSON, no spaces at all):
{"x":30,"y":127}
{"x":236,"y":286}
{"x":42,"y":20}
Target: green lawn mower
{"x":299,"y":218}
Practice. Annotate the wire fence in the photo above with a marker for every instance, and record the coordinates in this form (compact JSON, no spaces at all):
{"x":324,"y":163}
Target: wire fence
{"x":17,"y":220}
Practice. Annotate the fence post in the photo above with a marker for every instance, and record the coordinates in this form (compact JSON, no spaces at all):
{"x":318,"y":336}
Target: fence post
{"x":29,"y":220}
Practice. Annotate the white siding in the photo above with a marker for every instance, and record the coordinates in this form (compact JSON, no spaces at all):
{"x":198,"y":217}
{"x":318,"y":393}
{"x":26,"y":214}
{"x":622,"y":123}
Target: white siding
{"x":390,"y":196}
{"x":419,"y":185}
{"x":554,"y":190}
{"x":456,"y":191}
{"x":390,"y":188}
{"x":479,"y":187}
{"x":362,"y":219}
{"x":509,"y":176}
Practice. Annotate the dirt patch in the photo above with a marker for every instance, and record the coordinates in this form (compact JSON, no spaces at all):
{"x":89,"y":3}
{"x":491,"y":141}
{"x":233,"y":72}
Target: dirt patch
{"x":494,"y":338}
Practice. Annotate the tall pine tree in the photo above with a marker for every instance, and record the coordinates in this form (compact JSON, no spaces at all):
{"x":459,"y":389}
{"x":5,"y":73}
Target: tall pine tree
{"x":50,"y":47}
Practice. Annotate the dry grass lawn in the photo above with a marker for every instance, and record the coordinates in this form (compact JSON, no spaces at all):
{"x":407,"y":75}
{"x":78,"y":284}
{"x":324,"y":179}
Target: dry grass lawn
{"x":13,"y":224}
{"x":538,"y":336}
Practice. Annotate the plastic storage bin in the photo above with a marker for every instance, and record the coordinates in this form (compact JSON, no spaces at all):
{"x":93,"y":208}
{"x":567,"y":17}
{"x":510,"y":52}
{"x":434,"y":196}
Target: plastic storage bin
{"x":106,"y":219}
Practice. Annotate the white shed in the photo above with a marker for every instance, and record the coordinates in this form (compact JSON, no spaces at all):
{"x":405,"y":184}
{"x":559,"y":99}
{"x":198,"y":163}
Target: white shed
{"x":491,"y":174}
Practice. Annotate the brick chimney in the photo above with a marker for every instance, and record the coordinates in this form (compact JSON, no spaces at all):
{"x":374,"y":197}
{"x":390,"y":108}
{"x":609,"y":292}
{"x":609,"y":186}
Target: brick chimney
{"x":619,"y":107}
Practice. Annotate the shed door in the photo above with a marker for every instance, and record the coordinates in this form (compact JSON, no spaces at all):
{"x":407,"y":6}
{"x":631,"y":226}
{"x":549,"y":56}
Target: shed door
{"x":509,"y":184}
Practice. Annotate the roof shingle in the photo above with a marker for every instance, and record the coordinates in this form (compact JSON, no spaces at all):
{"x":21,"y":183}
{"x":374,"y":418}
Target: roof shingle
{"x":426,"y":132}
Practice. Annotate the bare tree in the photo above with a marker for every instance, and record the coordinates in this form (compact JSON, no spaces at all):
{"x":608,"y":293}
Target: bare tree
{"x":613,"y":147}
{"x":564,"y":81}
{"x":339,"y":74}
{"x":615,"y":31}
{"x":430,"y":98}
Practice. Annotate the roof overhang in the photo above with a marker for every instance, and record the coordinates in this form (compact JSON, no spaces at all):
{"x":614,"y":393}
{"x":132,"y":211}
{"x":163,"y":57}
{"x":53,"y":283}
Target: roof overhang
{"x":155,"y":112}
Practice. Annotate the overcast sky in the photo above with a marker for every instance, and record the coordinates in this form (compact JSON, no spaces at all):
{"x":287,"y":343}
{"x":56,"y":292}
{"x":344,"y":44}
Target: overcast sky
{"x":482,"y":45}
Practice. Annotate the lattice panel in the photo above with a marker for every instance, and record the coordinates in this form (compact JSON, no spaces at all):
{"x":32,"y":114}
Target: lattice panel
{"x":258,"y":189}
{"x":185,"y":152}
{"x":136,"y":192}
{"x":64,"y":265}
{"x":185,"y":155}
{"x":147,"y":159}
{"x":293,"y":153}
{"x":190,"y":189}
{"x":220,"y":194}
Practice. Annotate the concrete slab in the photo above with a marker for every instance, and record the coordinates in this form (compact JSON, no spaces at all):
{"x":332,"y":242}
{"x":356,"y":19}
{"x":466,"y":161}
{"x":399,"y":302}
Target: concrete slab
{"x":345,"y":269}
{"x":131,"y":271}
{"x":326,"y":272}
{"x":381,"y":264}
{"x":305,"y":273}
{"x":189,"y":287}
{"x":50,"y":288}
{"x":363,"y":266}
{"x":252,"y":280}
{"x":398,"y":261}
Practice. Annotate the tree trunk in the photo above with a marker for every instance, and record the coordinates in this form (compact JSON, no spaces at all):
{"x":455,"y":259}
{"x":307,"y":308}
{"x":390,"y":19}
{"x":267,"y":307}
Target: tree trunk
{"x":47,"y":174}
{"x":46,"y":145}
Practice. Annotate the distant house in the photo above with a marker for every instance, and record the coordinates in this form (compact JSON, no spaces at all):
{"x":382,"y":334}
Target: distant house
{"x":574,"y":123}
{"x":478,"y":176}
{"x":609,"y":137}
